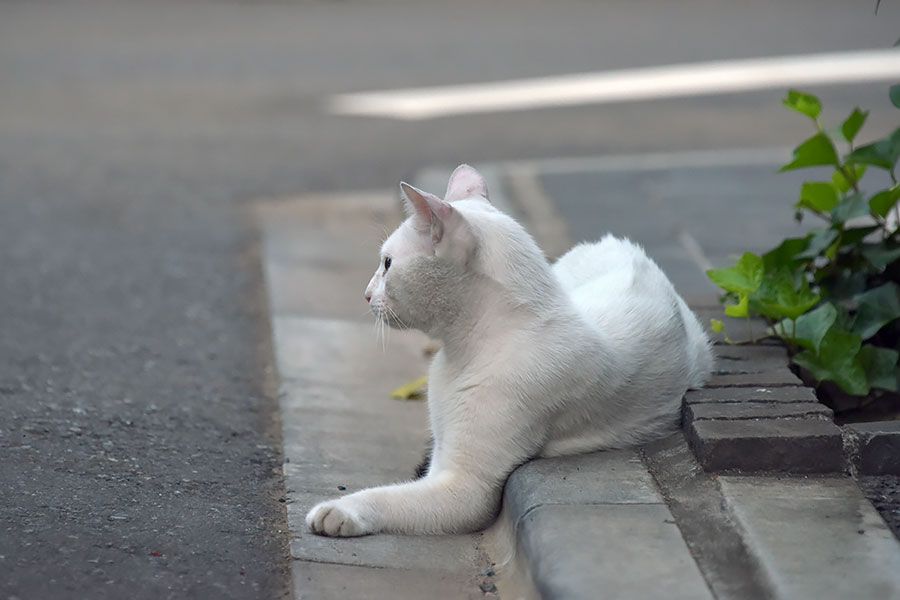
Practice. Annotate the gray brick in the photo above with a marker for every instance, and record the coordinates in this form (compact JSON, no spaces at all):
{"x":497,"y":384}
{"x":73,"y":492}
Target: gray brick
{"x":732,"y":359}
{"x":752,"y":393}
{"x":755,"y":445}
{"x":773,"y":377}
{"x":756,"y":410}
{"x":874,"y":448}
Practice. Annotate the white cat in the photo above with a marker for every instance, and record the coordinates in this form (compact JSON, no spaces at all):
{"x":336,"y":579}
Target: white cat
{"x":594,"y":352}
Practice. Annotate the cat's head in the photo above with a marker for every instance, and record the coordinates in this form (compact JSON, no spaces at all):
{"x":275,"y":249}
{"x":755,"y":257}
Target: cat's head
{"x":426,"y":262}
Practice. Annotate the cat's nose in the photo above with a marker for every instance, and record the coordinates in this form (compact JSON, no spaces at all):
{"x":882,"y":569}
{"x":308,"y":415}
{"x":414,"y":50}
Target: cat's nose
{"x":368,"y":298}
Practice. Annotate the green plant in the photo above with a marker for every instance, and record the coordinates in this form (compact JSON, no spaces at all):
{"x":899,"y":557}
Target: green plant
{"x":832,"y":296}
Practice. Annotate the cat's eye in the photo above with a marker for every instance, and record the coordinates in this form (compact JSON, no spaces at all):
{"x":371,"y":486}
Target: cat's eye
{"x":387,"y":263}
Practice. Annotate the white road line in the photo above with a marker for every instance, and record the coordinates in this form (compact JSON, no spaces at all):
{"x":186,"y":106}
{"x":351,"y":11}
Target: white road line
{"x":719,"y":77}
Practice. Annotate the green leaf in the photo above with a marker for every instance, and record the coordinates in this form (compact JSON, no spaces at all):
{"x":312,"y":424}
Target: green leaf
{"x":817,"y":150}
{"x":894,"y":94}
{"x":882,"y":153}
{"x":854,"y":235}
{"x":819,"y":241}
{"x":851,"y":126}
{"x":876,"y":308}
{"x":820,"y":196}
{"x":783,"y":255}
{"x":850,"y":207}
{"x":777,"y":298}
{"x":739,"y":309}
{"x":841,"y":183}
{"x":809,"y":329}
{"x":836,"y":361}
{"x":880,"y":365}
{"x":881,"y":255}
{"x":803,"y":103}
{"x":882,"y":202}
{"x":742,"y":278}
{"x":716,"y":325}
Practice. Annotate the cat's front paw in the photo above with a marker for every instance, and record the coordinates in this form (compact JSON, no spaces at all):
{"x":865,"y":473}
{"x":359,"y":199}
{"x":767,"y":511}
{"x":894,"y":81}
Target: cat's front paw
{"x":336,"y":518}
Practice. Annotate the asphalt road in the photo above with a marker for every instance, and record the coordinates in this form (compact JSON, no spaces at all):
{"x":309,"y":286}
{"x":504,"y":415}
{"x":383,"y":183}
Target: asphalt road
{"x":139,"y":452}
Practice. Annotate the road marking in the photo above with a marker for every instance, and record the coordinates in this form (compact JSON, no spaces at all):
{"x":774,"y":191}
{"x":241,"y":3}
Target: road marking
{"x":671,"y":81}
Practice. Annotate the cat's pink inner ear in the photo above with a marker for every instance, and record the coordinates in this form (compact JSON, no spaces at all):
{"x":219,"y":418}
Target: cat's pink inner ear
{"x":466,"y":182}
{"x":443,"y":215}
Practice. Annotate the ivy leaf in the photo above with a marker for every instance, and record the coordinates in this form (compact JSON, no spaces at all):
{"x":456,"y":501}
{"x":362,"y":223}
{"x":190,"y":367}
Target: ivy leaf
{"x":841,"y":183}
{"x":851,"y":126}
{"x":777,"y":298}
{"x":739,"y":309}
{"x":854,"y":235}
{"x":783,"y":255}
{"x":882,"y":153}
{"x":819,"y":241}
{"x":877,"y":307}
{"x":880,"y":255}
{"x":850,"y":207}
{"x":742,"y":278}
{"x":809,"y":329}
{"x":820,"y":196}
{"x":803,"y":103}
{"x":716,"y":325}
{"x":880,"y":365}
{"x":894,"y":93}
{"x":836,"y":361}
{"x":882,"y":202}
{"x":817,"y":150}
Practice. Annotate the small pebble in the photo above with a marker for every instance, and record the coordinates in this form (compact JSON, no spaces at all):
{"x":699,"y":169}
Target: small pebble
{"x":488,"y":588}
{"x":342,"y":487}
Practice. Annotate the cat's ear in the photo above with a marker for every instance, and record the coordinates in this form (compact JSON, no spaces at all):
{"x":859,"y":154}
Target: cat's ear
{"x":434,"y":216}
{"x":466,"y":182}
{"x":416,"y":205}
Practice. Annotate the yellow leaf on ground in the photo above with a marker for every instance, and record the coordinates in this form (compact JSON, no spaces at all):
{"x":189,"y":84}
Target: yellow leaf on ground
{"x":411,"y":390}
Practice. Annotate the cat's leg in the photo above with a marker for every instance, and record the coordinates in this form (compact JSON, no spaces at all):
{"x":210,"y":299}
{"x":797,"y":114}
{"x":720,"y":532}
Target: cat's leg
{"x":460,"y":493}
{"x":444,"y":501}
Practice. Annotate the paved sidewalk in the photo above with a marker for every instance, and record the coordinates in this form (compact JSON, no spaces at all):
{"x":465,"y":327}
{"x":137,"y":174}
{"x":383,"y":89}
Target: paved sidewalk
{"x":642,"y":523}
{"x":342,"y":432}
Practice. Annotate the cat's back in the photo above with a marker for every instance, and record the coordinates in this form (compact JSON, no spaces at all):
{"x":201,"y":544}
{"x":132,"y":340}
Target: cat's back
{"x":618,"y":263}
{"x":620,"y":290}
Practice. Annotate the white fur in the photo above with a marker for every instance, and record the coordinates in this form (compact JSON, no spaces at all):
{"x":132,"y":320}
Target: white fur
{"x":594,"y":352}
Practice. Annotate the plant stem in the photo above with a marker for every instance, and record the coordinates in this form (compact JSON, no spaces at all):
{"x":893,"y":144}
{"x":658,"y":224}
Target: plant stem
{"x":850,"y":178}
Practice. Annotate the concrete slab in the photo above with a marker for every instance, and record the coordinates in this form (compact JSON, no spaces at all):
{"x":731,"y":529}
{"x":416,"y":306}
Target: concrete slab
{"x":613,"y":477}
{"x":315,"y":581}
{"x":339,"y":353}
{"x":609,"y":551}
{"x":816,"y":537}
